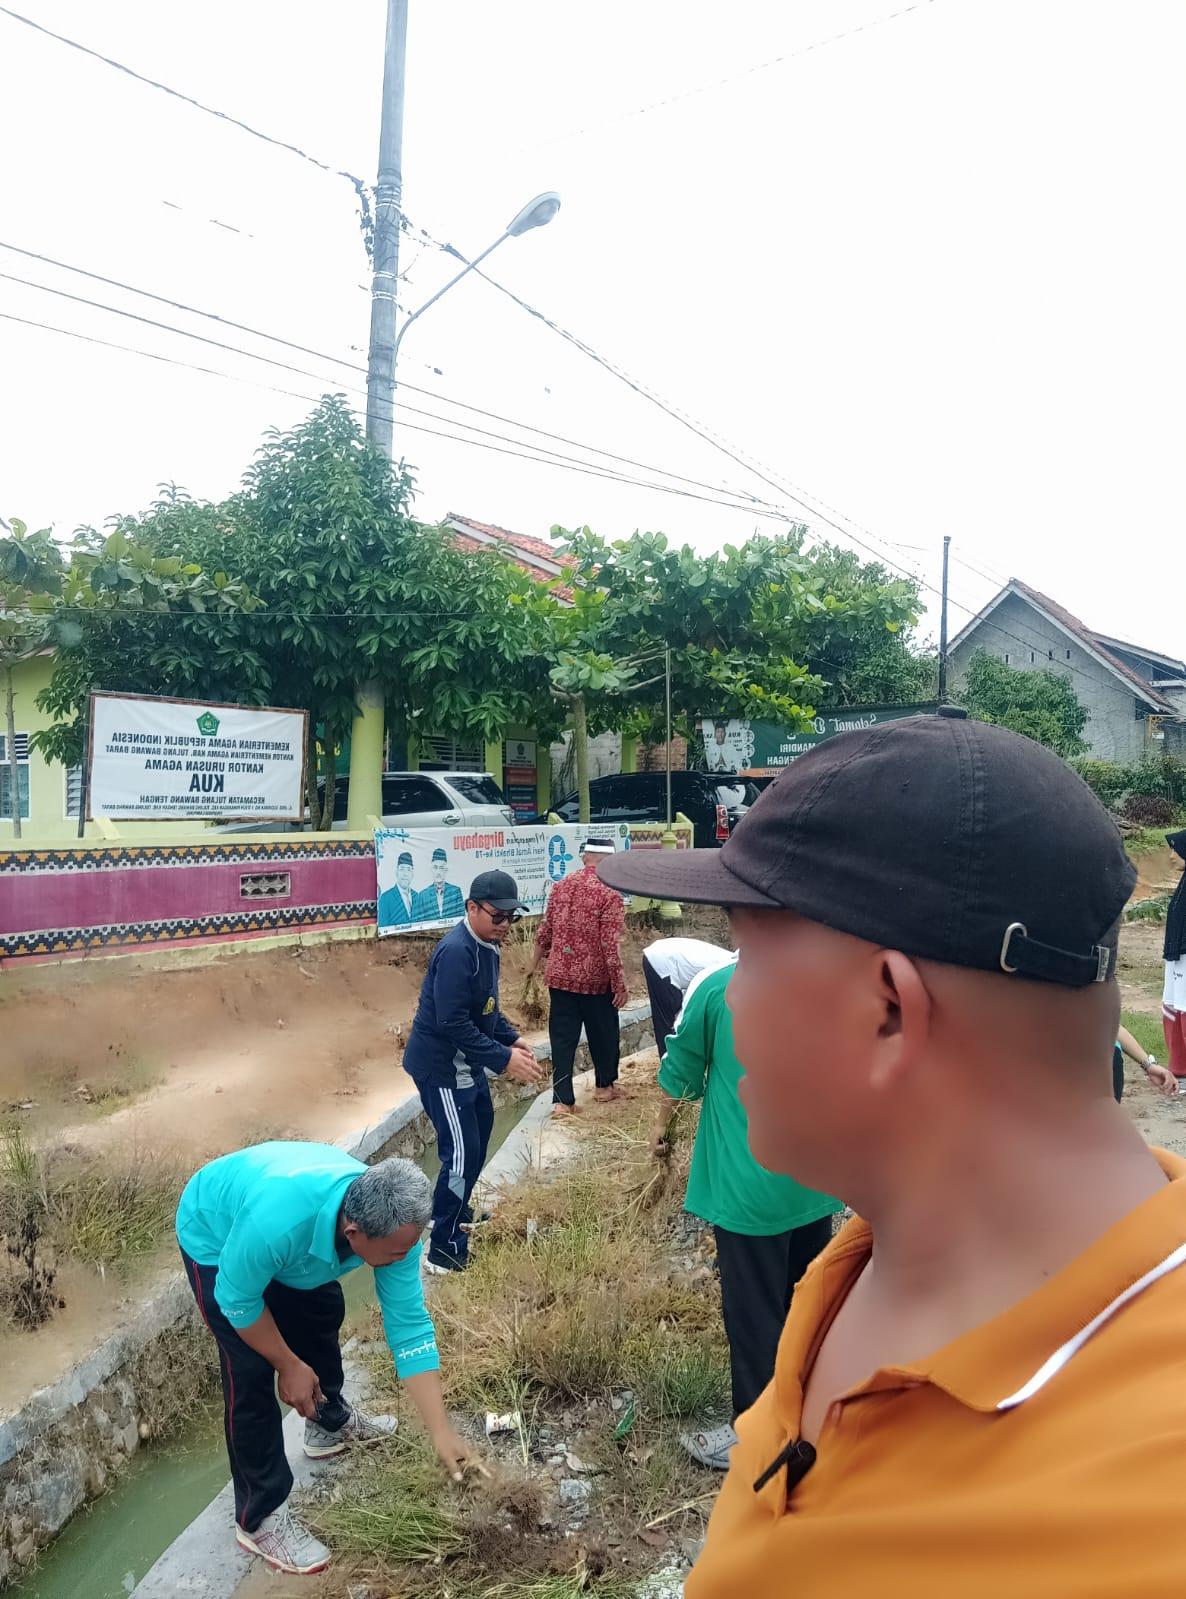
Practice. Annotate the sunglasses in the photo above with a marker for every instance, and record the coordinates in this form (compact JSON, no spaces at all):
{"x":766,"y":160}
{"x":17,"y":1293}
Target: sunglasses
{"x":501,"y":918}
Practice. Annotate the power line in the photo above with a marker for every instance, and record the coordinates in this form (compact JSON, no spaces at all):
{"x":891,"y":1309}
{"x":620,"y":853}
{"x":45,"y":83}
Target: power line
{"x":151,"y":322}
{"x":733,"y":77}
{"x":797,"y":495}
{"x":176,"y":305}
{"x":784,"y":486}
{"x":565,"y":464}
{"x":592,"y":471}
{"x":589,"y":469}
{"x":989,"y":577}
{"x":188,"y":99}
{"x":542,"y":456}
{"x":304,"y":349}
{"x":150,"y":355}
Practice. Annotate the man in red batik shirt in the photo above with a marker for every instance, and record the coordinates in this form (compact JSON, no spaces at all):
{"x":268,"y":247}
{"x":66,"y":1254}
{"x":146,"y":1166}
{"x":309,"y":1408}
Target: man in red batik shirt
{"x":579,"y":937}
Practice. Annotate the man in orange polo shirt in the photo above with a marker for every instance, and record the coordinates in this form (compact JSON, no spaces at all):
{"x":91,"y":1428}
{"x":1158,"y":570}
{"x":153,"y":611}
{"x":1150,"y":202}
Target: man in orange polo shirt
{"x":981,"y":1386}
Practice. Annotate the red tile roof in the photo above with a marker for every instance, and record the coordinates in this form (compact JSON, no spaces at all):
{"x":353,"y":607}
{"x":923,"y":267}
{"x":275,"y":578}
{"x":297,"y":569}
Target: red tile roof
{"x":1090,"y":639}
{"x":526,"y":552}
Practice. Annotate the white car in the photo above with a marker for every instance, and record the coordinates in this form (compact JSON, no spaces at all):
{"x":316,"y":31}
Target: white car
{"x":435,"y":799}
{"x":415,"y":799}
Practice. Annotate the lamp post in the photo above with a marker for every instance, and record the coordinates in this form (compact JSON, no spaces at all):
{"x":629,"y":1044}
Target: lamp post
{"x":536,"y":213}
{"x":365,"y":794}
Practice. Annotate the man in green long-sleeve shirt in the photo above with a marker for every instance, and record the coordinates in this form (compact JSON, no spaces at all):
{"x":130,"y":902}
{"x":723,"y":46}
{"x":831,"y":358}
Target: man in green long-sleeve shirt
{"x":768,"y":1227}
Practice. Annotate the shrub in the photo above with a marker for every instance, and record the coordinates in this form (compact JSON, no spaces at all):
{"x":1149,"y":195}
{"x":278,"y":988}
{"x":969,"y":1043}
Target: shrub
{"x":1149,"y":810}
{"x":1161,"y":777}
{"x":1107,"y":780}
{"x":27,"y":1293}
{"x":1042,"y":705}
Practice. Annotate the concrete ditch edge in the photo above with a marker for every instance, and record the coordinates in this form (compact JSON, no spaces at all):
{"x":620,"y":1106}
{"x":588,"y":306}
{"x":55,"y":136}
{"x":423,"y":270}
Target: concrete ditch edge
{"x":67,"y":1443}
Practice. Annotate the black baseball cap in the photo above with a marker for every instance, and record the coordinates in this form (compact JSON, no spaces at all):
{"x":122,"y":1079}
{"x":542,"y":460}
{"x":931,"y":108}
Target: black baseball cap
{"x":498,"y":889}
{"x":949,"y":839}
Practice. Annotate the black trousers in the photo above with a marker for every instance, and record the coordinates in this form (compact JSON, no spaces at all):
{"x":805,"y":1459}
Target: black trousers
{"x":567,"y":1014}
{"x":667,"y":1000}
{"x":309,"y":1320}
{"x":463,"y":1119}
{"x":758,"y":1277}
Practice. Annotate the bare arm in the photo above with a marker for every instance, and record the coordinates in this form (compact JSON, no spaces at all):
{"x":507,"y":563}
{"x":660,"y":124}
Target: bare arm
{"x":425,"y":1392}
{"x":1130,"y":1046}
{"x":663,"y":1115}
{"x":1161,"y":1078}
{"x":298,"y":1384}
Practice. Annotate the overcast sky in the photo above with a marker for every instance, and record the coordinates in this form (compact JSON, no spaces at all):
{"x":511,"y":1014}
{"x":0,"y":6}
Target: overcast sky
{"x":928,"y":273}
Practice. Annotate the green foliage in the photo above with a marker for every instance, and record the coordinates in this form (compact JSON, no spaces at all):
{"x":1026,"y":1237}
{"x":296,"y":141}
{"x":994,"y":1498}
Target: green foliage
{"x":129,"y":619}
{"x":1158,"y":777}
{"x":1042,"y":705}
{"x":1155,"y":909}
{"x":867,"y":660}
{"x":309,"y":581}
{"x":755,"y":630}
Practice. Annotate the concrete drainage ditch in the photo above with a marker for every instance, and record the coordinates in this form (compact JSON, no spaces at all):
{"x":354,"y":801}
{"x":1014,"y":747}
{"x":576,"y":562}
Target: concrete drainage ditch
{"x":69,"y":1443}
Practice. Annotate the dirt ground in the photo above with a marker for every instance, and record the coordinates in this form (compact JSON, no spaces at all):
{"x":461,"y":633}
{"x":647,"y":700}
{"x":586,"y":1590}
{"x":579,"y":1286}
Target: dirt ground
{"x":301,"y":1042}
{"x":1158,"y":872}
{"x":187,"y":1063}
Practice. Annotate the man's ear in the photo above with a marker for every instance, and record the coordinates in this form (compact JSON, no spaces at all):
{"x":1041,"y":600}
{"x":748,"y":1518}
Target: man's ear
{"x":905,"y":1007}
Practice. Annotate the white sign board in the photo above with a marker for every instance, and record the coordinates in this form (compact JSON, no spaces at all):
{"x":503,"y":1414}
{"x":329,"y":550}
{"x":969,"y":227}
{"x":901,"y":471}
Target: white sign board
{"x":424,"y":873}
{"x":163,"y":759}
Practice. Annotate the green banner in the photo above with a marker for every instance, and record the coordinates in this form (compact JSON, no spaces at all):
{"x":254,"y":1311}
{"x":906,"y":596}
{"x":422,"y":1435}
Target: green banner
{"x":759,"y":749}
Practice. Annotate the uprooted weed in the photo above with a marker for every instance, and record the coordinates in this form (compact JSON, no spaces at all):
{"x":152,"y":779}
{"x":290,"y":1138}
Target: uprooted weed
{"x":574,"y":1314}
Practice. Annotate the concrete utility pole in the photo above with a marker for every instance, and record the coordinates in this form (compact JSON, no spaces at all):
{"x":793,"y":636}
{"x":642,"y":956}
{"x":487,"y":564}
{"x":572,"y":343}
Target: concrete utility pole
{"x":365,"y":798}
{"x":388,"y":213}
{"x":943,"y":624}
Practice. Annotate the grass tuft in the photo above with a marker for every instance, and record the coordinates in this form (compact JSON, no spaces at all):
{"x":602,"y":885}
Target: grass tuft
{"x":1147,"y":1030}
{"x":395,"y":1507}
{"x":578,"y":1294}
{"x":101,"y":1210}
{"x":105,"y":1213}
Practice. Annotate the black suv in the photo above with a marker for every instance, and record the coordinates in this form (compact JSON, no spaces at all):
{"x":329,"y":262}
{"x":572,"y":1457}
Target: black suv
{"x":712,"y":803}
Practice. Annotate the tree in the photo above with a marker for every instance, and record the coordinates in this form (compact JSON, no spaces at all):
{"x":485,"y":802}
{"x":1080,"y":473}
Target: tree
{"x":30,"y":574}
{"x":1042,"y":704}
{"x":344,"y":587}
{"x":866,"y":662}
{"x":129,"y":620}
{"x":741,"y":625}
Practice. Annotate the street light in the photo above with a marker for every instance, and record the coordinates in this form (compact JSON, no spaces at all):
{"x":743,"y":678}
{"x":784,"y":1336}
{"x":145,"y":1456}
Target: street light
{"x":536,"y":213}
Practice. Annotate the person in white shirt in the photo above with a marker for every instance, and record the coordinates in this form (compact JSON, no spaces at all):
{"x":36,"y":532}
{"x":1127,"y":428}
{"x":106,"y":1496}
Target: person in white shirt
{"x":669,"y":966}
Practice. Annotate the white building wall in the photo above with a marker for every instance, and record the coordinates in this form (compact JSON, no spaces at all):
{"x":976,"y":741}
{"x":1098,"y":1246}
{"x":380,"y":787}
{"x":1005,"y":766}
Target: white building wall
{"x":1023,"y":638}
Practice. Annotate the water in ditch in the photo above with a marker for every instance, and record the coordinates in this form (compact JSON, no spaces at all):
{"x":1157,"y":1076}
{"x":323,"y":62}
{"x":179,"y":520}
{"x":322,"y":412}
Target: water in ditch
{"x":108,"y":1548}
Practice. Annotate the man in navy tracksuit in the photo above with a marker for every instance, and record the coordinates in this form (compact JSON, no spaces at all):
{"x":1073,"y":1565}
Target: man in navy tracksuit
{"x":459,"y":1035}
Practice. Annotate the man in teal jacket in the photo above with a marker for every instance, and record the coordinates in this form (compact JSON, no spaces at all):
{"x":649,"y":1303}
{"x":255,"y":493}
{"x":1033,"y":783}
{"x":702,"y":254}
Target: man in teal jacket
{"x":768,"y":1228}
{"x":265,"y":1234}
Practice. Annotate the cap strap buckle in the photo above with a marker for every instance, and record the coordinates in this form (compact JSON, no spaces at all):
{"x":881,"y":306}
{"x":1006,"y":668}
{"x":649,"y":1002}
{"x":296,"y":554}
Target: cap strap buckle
{"x":1013,"y":927}
{"x":1053,"y":965}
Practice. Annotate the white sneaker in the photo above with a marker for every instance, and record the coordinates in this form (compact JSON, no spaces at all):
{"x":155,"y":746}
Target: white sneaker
{"x":284,"y":1544}
{"x":712,"y":1448}
{"x":321,"y":1444}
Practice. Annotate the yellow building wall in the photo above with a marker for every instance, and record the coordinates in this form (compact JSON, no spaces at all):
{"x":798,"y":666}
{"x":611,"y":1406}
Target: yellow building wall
{"x":47,"y":822}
